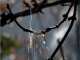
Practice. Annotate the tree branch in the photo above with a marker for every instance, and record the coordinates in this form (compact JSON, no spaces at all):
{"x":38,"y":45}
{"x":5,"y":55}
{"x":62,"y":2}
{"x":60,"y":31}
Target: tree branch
{"x":57,"y":26}
{"x":61,"y":50}
{"x":13,"y":17}
{"x":38,"y":9}
{"x":5,"y":18}
{"x":52,"y":56}
{"x":70,"y":27}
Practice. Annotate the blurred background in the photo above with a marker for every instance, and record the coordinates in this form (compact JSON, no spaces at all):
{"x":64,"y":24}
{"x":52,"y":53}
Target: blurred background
{"x":19,"y":45}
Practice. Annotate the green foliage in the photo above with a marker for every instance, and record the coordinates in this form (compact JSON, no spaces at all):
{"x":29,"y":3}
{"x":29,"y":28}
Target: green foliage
{"x":6,"y":43}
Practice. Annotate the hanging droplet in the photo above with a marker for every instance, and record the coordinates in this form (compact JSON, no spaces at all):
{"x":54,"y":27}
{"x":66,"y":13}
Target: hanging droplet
{"x":43,"y":38}
{"x":44,"y":42}
{"x":43,"y":35}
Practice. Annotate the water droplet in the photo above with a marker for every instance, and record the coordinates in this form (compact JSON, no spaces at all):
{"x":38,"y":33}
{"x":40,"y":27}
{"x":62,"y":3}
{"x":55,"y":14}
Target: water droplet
{"x":43,"y":39}
{"x":44,"y":42}
{"x":43,"y":35}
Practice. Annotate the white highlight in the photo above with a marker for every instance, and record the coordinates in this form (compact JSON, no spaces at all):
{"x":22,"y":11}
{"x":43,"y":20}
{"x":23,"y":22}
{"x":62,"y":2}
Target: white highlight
{"x":61,"y":33}
{"x":44,"y":42}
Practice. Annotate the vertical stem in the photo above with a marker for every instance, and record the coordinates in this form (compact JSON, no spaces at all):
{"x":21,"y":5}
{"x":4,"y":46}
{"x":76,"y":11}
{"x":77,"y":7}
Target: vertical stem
{"x":61,"y":50}
{"x":62,"y":41}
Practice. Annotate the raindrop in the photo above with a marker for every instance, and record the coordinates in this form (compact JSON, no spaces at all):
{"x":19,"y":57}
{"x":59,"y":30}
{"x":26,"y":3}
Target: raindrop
{"x":43,"y":38}
{"x":44,"y":42}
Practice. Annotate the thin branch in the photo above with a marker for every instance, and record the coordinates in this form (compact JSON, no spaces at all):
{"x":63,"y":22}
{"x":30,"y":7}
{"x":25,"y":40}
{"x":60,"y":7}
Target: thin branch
{"x":61,"y":50}
{"x":5,"y":18}
{"x":42,"y":32}
{"x":64,"y":19}
{"x":38,"y":9}
{"x":44,"y":2}
{"x":52,"y":56}
{"x":13,"y":17}
{"x":27,"y":5}
{"x":70,"y":27}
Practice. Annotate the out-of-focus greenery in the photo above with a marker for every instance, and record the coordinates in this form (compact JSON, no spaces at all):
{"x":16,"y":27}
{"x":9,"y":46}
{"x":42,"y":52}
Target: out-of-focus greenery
{"x":6,"y":44}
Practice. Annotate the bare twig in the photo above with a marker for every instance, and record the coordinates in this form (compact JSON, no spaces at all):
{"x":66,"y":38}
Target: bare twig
{"x":70,"y":27}
{"x":64,"y":19}
{"x":38,"y":9}
{"x":61,"y":50}
{"x":13,"y":17}
{"x":5,"y":18}
{"x":51,"y":58}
